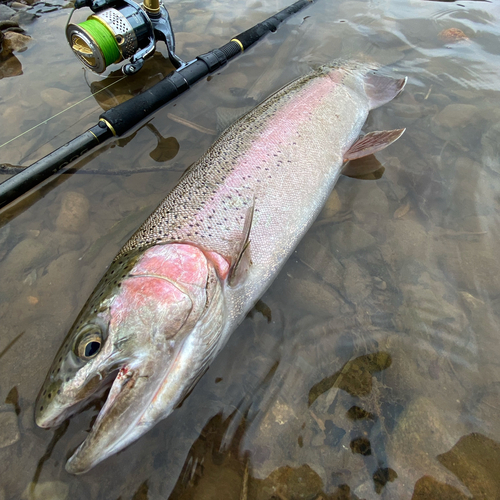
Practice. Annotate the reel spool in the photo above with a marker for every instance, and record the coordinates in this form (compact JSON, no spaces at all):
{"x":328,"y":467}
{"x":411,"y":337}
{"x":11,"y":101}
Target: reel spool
{"x":119,"y":30}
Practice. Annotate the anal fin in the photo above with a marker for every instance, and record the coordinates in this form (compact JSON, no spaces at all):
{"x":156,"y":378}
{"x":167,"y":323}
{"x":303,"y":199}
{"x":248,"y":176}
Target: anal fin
{"x":372,"y":142}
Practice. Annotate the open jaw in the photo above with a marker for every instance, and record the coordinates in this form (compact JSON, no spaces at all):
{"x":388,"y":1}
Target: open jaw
{"x":128,"y":411}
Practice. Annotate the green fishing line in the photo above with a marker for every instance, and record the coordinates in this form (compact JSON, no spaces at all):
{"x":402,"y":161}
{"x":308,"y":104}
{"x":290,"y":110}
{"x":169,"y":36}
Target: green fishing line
{"x":103,"y":38}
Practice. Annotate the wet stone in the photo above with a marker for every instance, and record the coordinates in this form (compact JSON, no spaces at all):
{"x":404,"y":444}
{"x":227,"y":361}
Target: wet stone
{"x":15,"y":42}
{"x":18,"y":6}
{"x":6,"y":12}
{"x":8,"y":24}
{"x":9,"y":427}
{"x":24,"y":16}
{"x":10,"y":67}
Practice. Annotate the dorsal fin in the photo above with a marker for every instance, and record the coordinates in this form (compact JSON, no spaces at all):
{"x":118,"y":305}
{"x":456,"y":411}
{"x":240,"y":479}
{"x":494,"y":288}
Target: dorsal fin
{"x":382,"y":89}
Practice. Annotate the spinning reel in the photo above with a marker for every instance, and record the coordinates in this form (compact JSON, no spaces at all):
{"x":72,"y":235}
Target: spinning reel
{"x":119,"y":30}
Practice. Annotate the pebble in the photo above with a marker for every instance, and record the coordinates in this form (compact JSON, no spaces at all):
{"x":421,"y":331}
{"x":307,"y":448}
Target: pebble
{"x":350,"y":238}
{"x":74,"y":214}
{"x":9,"y":427}
{"x":457,"y":115}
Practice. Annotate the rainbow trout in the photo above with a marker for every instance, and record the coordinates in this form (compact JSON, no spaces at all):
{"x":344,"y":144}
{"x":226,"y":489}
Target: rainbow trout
{"x":185,"y":280}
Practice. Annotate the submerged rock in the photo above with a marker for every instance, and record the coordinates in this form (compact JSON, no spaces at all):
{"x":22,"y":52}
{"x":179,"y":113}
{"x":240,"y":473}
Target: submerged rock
{"x":457,"y":115}
{"x":53,"y":490}
{"x":57,"y":98}
{"x":332,"y":206}
{"x":9,"y":427}
{"x":472,"y":267}
{"x":74,"y":214}
{"x":318,"y":258}
{"x":452,"y":35}
{"x":315,"y":298}
{"x":349,"y":238}
{"x":423,"y":431}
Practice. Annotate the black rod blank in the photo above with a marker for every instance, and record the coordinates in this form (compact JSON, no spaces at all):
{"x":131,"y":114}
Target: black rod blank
{"x":120,"y":119}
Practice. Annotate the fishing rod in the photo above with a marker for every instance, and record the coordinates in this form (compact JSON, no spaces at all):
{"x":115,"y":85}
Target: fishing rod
{"x":96,"y":50}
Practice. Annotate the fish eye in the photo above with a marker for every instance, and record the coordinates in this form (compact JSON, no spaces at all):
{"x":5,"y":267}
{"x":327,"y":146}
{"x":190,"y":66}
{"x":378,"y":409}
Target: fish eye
{"x":89,"y":344}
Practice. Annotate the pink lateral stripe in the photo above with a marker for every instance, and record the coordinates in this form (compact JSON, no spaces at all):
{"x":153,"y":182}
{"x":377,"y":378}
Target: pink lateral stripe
{"x":278,"y":134}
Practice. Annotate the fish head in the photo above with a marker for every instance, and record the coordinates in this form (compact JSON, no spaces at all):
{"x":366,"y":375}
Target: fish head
{"x":149,"y":334}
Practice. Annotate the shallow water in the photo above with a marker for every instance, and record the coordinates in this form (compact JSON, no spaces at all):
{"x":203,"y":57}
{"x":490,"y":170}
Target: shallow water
{"x":370,"y":368}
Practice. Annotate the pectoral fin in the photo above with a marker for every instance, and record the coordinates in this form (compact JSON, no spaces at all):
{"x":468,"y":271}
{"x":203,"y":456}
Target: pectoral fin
{"x":242,"y":261}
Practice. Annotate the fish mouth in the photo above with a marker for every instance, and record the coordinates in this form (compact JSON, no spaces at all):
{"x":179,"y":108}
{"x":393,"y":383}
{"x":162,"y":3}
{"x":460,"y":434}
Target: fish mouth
{"x":54,"y":413}
{"x":125,"y":415}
